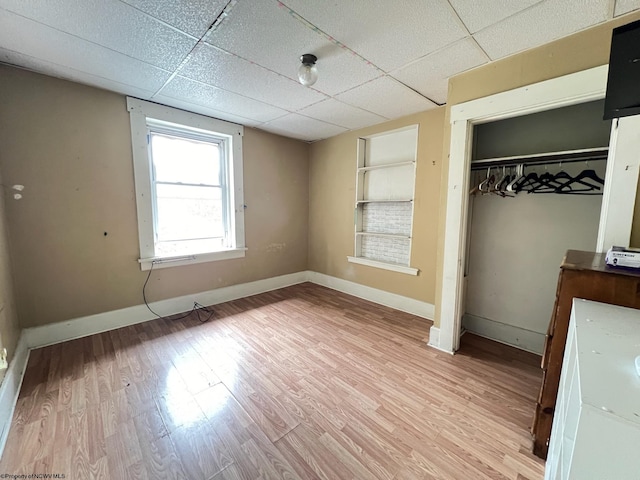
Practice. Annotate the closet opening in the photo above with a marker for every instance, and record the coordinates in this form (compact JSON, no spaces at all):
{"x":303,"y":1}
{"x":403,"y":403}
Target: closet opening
{"x":618,"y":200}
{"x":535,"y":191}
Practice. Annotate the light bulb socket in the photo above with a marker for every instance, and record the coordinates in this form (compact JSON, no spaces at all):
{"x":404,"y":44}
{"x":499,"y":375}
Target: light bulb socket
{"x":308,"y":59}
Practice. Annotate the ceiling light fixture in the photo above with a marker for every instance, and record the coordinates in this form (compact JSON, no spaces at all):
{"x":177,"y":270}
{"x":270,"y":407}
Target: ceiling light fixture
{"x":308,"y":72}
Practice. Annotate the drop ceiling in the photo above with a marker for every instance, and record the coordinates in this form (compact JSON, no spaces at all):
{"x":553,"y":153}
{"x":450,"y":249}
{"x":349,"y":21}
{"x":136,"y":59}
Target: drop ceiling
{"x":238,"y":60}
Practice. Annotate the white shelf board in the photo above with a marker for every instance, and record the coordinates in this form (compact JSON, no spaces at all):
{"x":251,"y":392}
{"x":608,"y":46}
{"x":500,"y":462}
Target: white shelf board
{"x":399,"y":200}
{"x":386,"y":165}
{"x":565,"y":155}
{"x":384,"y":265}
{"x":389,"y":235}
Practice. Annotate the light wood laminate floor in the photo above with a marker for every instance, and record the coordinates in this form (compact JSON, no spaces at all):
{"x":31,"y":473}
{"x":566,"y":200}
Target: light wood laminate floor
{"x":303,"y":382}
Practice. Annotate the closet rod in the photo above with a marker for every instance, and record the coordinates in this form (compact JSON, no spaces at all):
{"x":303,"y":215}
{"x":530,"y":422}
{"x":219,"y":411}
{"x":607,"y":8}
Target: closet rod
{"x":584,"y":155}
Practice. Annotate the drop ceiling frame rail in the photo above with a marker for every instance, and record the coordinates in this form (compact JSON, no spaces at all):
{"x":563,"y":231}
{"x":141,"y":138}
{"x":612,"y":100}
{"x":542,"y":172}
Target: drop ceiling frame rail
{"x":568,"y":156}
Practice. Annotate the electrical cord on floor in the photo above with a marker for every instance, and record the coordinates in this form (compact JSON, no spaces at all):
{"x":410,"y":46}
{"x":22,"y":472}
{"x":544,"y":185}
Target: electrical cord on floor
{"x":197,"y":308}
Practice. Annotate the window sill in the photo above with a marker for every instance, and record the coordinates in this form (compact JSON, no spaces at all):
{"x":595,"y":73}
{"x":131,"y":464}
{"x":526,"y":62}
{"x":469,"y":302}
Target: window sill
{"x":386,"y":266}
{"x":166,"y":262}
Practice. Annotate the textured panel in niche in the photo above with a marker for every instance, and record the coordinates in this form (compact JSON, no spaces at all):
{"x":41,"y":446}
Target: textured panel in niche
{"x":394,"y":217}
{"x":385,"y":249}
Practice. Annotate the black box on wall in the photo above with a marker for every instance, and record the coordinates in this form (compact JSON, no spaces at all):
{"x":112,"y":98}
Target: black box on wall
{"x":623,"y":83}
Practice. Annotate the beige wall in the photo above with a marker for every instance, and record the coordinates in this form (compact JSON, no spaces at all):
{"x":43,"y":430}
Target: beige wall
{"x":70,"y":145}
{"x":587,"y":49}
{"x":9,"y":328}
{"x":331,"y":208}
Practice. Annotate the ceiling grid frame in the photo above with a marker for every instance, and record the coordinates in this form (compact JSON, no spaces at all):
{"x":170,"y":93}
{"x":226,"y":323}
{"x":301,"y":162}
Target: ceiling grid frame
{"x":67,"y":39}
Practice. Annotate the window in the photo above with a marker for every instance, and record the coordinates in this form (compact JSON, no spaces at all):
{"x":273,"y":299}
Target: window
{"x":188,"y":178}
{"x":384,"y":200}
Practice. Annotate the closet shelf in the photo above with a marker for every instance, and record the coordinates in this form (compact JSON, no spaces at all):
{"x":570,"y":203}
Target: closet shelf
{"x":567,"y":156}
{"x":400,"y":200}
{"x":386,"y":165}
{"x":388,"y":235}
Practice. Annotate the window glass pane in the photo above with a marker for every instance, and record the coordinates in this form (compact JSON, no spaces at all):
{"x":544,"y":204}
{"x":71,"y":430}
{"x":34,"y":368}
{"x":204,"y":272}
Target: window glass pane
{"x":182,"y":160}
{"x":188,"y":212}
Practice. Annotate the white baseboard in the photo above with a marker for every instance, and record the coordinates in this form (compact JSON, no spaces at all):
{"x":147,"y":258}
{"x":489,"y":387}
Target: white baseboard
{"x":37,"y":337}
{"x":508,"y":334}
{"x":434,"y":336}
{"x":434,"y":340}
{"x":10,"y":388}
{"x":393,"y":300}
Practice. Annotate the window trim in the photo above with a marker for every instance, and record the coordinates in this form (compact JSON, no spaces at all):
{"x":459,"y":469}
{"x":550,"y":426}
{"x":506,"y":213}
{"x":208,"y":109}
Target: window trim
{"x":140,"y":111}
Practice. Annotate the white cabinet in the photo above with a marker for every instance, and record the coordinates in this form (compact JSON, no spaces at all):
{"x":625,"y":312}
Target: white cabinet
{"x":596,"y":427}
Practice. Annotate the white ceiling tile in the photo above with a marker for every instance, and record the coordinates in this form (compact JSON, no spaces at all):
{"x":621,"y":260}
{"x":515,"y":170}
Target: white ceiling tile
{"x":112,"y":24}
{"x":626,"y":6}
{"x":39,"y":41}
{"x":262,"y":42}
{"x":203,"y":110}
{"x":214,"y":67}
{"x":543,"y":23}
{"x":303,"y":128}
{"x":389,"y":34}
{"x":249,"y":76}
{"x":430,"y":75}
{"x":222,"y":100}
{"x":53,"y":70}
{"x":386,"y":97}
{"x":478,"y":15}
{"x":191,"y":16}
{"x":338,"y":113}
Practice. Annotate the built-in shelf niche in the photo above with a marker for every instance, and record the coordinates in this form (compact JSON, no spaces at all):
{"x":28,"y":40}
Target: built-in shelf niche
{"x":385,"y":171}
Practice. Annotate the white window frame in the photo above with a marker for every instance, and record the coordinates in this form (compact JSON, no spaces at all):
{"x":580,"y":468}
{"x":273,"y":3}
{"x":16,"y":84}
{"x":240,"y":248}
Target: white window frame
{"x":145,"y":115}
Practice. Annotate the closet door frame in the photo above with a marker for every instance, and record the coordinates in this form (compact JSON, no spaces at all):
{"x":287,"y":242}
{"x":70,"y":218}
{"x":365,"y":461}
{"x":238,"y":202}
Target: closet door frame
{"x":616,"y":215}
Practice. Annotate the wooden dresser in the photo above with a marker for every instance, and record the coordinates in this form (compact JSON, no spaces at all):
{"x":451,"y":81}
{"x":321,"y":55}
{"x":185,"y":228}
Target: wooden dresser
{"x":582,"y":275}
